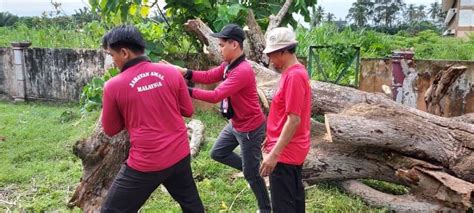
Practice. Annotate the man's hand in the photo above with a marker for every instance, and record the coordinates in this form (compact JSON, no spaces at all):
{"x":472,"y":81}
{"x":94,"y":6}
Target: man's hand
{"x":268,"y":164}
{"x":180,"y":69}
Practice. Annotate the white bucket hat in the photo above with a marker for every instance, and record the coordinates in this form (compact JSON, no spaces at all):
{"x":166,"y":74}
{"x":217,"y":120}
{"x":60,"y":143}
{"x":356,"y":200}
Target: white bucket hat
{"x":279,"y":38}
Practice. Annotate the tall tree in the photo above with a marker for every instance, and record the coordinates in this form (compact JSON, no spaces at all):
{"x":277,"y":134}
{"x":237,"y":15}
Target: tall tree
{"x":330,"y":17}
{"x":317,"y":16}
{"x":387,"y":11}
{"x":420,"y":12}
{"x":410,"y":12}
{"x":360,"y":12}
{"x":434,"y":10}
{"x":436,"y":13}
{"x":7,"y":19}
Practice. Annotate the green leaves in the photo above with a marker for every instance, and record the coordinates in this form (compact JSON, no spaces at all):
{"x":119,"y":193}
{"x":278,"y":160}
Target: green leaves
{"x":229,"y":14}
{"x":91,"y":97}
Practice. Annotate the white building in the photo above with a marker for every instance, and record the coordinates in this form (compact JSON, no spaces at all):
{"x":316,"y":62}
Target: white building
{"x":460,"y":17}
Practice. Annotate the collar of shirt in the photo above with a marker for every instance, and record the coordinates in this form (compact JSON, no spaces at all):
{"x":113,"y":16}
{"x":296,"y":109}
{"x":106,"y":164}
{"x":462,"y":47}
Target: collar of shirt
{"x":134,"y":62}
{"x":234,"y":64}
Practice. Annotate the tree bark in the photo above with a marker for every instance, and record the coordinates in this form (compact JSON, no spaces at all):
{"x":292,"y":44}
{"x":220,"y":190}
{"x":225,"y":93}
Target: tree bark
{"x":401,"y":203}
{"x":203,"y":33}
{"x":102,"y":158}
{"x":441,"y":88}
{"x":413,"y":133}
{"x":431,"y":188}
{"x":466,"y":118}
{"x":256,"y":40}
{"x":275,"y":20}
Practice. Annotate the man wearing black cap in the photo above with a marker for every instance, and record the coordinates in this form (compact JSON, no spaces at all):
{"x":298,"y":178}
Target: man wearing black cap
{"x":239,"y":103}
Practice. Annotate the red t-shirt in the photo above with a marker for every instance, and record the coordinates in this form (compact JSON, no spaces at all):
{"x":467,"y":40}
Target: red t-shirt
{"x":149,"y":100}
{"x":293,"y":96}
{"x":241,"y":86}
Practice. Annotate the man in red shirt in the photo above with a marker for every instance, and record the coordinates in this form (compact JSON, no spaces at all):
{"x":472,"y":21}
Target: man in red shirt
{"x":240,"y":104}
{"x":148,"y":100}
{"x":288,"y":125}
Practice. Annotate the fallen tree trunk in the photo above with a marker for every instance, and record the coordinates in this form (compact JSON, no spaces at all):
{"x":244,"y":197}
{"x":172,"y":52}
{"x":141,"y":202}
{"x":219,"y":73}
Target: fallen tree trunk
{"x":102,"y":158}
{"x":437,"y":139}
{"x":401,"y":203}
{"x":467,"y":118}
{"x":431,"y":188}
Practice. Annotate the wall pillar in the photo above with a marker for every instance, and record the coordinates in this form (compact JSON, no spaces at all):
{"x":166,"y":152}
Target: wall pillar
{"x":19,"y":49}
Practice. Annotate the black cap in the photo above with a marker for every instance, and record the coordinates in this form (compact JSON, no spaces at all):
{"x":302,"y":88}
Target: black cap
{"x":231,"y":31}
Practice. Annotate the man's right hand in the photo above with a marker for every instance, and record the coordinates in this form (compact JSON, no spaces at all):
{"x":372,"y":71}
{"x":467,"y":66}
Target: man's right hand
{"x":180,"y":69}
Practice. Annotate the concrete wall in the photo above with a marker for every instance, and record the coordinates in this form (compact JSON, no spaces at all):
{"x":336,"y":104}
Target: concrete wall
{"x":51,"y":74}
{"x":377,"y":72}
{"x":7,"y":76}
{"x":2,"y":71}
{"x":61,"y":73}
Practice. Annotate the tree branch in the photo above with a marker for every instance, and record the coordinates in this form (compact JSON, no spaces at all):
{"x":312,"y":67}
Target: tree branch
{"x":275,"y":21}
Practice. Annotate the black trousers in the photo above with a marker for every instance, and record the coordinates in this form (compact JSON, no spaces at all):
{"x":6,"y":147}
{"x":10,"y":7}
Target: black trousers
{"x":286,"y":188}
{"x":131,"y":188}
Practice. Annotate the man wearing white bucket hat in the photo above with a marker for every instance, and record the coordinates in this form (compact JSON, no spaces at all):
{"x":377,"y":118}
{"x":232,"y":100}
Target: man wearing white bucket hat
{"x":288,"y":125}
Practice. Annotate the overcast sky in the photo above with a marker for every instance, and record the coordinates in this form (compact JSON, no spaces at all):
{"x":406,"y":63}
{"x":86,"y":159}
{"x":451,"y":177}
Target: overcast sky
{"x":36,"y":7}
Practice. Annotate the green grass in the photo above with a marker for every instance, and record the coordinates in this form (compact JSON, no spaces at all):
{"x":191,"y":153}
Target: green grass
{"x":38,"y":171}
{"x":51,"y":37}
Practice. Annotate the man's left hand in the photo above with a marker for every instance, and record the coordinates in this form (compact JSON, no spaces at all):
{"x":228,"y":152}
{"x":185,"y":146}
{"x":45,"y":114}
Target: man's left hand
{"x":268,"y":164}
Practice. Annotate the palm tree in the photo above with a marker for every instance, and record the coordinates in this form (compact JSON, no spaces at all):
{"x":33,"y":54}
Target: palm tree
{"x":7,"y":19}
{"x":317,"y":15}
{"x":410,"y":13}
{"x":360,"y":12}
{"x":387,"y":11}
{"x":421,"y":13}
{"x":330,"y":17}
{"x":435,"y":11}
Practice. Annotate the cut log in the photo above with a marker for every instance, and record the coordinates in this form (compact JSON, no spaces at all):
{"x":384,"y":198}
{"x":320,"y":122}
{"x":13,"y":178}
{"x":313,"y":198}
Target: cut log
{"x":196,"y":133}
{"x":398,"y":203}
{"x":440,"y":186}
{"x":102,"y":158}
{"x":337,"y":162}
{"x":431,"y":188}
{"x":413,"y":133}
